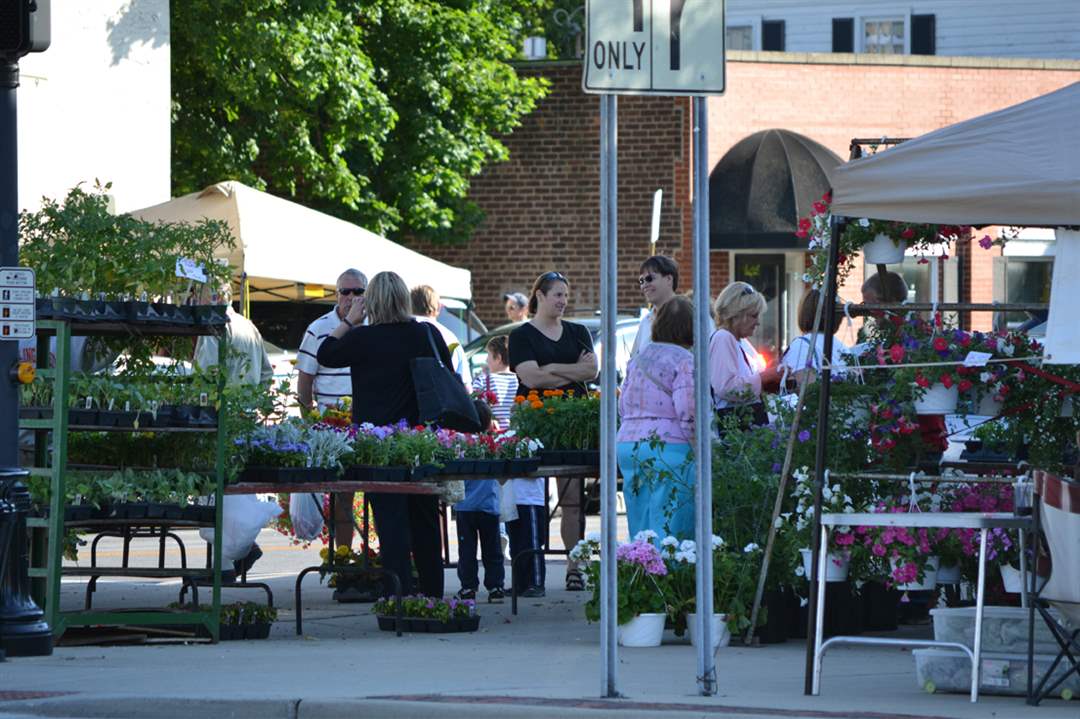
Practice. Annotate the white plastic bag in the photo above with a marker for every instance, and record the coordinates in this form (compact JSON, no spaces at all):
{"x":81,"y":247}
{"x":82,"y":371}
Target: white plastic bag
{"x":507,"y":503}
{"x":242,"y":516}
{"x":305,"y":513}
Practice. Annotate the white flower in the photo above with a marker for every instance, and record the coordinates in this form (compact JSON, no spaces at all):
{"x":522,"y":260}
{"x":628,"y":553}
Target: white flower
{"x":593,"y":537}
{"x":779,"y":522}
{"x":826,"y":492}
{"x":718,"y":542}
{"x":799,"y":571}
{"x":1007,"y":348}
{"x":863,"y":222}
{"x":645,"y":535}
{"x":752,"y":547}
{"x":669,"y":541}
{"x":985,"y":377}
{"x":686,"y":557}
{"x":687,"y":545}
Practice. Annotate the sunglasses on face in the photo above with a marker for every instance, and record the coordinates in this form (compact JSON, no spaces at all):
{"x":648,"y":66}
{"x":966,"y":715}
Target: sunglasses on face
{"x":646,"y":279}
{"x":346,"y":291}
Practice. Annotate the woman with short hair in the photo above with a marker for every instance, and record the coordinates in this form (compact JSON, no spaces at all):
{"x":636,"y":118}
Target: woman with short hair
{"x":657,"y":403}
{"x":803,"y":356}
{"x":735,"y":382}
{"x":378,"y":356}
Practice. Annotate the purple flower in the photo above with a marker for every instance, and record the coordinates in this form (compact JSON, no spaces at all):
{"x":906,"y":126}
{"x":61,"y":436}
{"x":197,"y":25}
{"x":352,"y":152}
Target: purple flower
{"x":804,"y":435}
{"x":776,"y":467}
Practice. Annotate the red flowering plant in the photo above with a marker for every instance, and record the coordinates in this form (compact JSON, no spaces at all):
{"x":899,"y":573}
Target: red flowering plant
{"x":923,"y":239}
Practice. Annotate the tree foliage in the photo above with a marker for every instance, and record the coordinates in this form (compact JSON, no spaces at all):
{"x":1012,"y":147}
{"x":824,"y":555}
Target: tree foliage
{"x":376,"y":111}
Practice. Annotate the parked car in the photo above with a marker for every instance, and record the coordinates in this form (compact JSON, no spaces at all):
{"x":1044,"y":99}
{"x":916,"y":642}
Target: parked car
{"x":626,"y":328}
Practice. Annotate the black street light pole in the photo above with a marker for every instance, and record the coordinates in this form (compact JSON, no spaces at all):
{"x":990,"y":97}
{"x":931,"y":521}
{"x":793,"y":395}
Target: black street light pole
{"x":23,"y":630}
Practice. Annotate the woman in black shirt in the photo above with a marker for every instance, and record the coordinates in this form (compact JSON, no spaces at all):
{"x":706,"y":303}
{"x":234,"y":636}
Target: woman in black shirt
{"x":377,"y":356}
{"x":548,"y":353}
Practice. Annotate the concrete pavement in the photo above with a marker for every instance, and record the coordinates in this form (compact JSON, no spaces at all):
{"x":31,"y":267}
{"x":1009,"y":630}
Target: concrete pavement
{"x":543,"y":662}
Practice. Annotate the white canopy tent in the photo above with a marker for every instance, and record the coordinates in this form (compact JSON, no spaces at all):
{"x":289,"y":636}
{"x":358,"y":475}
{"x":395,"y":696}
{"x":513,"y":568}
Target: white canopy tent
{"x":287,"y":251}
{"x":1017,"y":166}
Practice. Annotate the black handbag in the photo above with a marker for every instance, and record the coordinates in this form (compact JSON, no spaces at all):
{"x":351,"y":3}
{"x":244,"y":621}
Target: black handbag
{"x":440,"y":395}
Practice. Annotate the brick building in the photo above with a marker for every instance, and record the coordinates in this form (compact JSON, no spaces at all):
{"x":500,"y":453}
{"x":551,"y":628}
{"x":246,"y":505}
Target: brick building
{"x":542,"y":205}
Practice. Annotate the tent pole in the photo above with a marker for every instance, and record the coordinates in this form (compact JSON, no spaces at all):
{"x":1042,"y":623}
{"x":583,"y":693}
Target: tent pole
{"x":609,"y":605}
{"x":829,"y":323}
{"x":706,"y":665}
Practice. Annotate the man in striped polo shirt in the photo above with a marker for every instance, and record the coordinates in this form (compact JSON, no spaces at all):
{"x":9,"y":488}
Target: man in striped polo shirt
{"x":319,"y":387}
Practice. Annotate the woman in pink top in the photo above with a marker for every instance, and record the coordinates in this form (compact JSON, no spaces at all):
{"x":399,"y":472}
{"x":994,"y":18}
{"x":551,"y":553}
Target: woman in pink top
{"x":733,"y":377}
{"x":657,"y":429}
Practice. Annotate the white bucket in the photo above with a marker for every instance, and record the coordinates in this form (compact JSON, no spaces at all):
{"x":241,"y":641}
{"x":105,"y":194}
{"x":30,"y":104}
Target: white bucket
{"x":949,"y":575}
{"x":721,"y":635}
{"x":929,"y":581}
{"x":883,"y":251}
{"x":836,"y":565}
{"x":938,"y":400}
{"x":1010,"y":577}
{"x":644,"y":630}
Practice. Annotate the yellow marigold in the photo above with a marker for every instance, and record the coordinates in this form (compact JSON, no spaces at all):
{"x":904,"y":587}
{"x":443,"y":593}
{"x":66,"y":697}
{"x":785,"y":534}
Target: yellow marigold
{"x":537,"y":404}
{"x":551,"y":410}
{"x":569,"y":393}
{"x":342,"y":550}
{"x":324,"y":553}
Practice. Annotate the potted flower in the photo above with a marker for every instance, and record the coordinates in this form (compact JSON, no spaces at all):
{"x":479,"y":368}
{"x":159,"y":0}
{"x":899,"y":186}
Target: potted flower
{"x":841,"y":541}
{"x":729,"y":610}
{"x":567,"y":425}
{"x":428,"y":614}
{"x":902,"y":556}
{"x":641,"y":576}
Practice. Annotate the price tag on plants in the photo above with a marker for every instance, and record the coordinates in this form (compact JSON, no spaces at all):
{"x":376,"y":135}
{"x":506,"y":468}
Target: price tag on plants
{"x":16,"y":303}
{"x":190,"y":269}
{"x":977,"y":359}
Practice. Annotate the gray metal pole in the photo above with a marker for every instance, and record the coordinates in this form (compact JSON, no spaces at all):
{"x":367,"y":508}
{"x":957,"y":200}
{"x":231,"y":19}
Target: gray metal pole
{"x":706,"y":666}
{"x":9,"y":252}
{"x":609,"y":243}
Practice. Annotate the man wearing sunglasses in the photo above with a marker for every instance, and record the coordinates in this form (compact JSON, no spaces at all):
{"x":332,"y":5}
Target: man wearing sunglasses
{"x":319,"y":387}
{"x":659,"y":280}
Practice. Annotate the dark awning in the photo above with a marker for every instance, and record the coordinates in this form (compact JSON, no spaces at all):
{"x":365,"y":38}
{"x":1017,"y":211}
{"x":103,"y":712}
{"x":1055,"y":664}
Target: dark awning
{"x":762,"y":186}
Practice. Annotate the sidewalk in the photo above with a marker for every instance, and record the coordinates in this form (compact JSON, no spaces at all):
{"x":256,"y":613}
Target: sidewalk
{"x":543,"y":662}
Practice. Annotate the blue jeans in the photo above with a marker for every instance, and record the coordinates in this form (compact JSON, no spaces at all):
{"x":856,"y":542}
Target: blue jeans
{"x":659,"y":494}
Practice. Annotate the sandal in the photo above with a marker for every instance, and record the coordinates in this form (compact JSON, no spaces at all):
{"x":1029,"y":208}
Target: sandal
{"x":575,"y":582}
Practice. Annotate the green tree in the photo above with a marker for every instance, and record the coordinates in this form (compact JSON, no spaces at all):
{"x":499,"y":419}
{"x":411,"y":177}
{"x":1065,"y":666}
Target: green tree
{"x":376,"y":111}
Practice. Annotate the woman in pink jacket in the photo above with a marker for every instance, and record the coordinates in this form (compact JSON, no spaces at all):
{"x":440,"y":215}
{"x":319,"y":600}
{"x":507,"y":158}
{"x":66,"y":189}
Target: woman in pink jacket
{"x":657,"y":428}
{"x":736,"y":372}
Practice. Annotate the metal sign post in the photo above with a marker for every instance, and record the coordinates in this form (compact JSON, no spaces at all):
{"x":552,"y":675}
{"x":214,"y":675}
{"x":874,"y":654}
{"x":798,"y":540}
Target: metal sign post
{"x":609,"y":245}
{"x":657,"y":47}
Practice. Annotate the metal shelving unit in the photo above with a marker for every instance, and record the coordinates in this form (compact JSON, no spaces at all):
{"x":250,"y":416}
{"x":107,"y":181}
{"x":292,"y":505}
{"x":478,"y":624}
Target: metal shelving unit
{"x":51,"y":461}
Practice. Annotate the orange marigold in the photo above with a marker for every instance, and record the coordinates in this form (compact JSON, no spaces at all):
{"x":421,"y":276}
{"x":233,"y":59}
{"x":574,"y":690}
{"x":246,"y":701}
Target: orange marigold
{"x":557,"y":393}
{"x":537,"y":404}
{"x":519,"y":399}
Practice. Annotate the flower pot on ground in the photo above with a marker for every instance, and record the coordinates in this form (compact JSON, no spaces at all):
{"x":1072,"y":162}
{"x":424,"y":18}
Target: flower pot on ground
{"x":721,"y":635}
{"x":641,"y":575}
{"x":644,"y":630}
{"x":938,"y":399}
{"x":836,"y":565}
{"x":428,"y":614}
{"x":882,"y":250}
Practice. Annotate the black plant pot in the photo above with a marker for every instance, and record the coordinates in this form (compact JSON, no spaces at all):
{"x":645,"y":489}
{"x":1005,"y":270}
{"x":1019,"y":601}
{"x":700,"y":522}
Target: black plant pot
{"x":460,"y":466}
{"x":164,"y":416}
{"x":230,"y":632}
{"x":775,"y":629}
{"x":206,"y":417}
{"x":155,"y":510}
{"x":259,"y":630}
{"x":139,"y":312}
{"x":190,"y":513}
{"x":880,"y":607}
{"x":83,"y":417}
{"x":145,"y":419}
{"x":212,"y":315}
{"x":521,"y":467}
{"x":430,"y":626}
{"x":184,"y":415}
{"x":115,"y":311}
{"x":423,"y":472}
{"x":126,"y":419}
{"x":43,"y":308}
{"x":108,"y":418}
{"x":78,"y":513}
{"x":95,"y":310}
{"x":132,"y":510}
{"x":207,"y":514}
{"x":105,"y":511}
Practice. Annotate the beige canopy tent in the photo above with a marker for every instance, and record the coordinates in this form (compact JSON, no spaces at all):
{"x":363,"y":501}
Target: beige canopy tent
{"x":287,"y":251}
{"x":1017,"y":166}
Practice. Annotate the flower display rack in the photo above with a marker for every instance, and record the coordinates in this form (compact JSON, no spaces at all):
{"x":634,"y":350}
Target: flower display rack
{"x":51,"y":430}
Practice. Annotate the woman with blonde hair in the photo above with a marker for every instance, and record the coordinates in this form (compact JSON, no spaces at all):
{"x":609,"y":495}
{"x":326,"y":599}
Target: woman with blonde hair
{"x":735,"y":382}
{"x":378,"y":355}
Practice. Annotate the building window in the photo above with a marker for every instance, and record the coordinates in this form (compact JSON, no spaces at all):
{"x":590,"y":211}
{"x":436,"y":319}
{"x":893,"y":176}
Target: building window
{"x":739,"y":37}
{"x":1021,"y":280}
{"x":772,"y":35}
{"x":883,"y":36}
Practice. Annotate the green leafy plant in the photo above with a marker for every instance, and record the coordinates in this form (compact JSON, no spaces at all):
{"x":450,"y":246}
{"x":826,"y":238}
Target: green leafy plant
{"x":421,"y":607}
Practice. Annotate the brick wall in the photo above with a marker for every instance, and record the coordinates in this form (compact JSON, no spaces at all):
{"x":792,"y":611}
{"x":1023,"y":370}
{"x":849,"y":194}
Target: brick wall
{"x":542,"y":205}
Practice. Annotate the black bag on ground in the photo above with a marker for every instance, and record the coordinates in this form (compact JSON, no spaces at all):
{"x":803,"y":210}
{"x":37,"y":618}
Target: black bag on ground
{"x":440,"y":395}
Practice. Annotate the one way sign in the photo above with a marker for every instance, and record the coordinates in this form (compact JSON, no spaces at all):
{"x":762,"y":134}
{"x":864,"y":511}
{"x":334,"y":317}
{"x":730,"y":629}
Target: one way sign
{"x":655,"y":47}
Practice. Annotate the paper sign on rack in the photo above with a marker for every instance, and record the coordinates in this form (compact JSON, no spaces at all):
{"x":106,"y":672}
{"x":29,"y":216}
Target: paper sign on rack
{"x":190,"y":269}
{"x":977,"y":359}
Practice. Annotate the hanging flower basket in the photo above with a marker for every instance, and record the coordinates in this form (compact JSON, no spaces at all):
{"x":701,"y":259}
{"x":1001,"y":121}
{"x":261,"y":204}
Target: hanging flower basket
{"x":836,"y":565}
{"x":883,"y":250}
{"x":929,"y":581}
{"x":939,"y":399}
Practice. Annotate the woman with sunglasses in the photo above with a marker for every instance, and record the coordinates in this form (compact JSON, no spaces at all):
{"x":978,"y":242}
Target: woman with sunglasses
{"x":659,"y":280}
{"x":549,"y":353}
{"x":736,"y":370}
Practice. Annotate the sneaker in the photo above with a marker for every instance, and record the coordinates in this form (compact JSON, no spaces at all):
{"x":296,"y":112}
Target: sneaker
{"x":495,"y":596}
{"x":243,"y":566}
{"x":533,"y":592}
{"x":466,"y":594}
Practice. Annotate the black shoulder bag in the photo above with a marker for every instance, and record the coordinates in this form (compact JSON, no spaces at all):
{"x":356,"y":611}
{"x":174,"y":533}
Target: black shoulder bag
{"x":440,"y":395}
